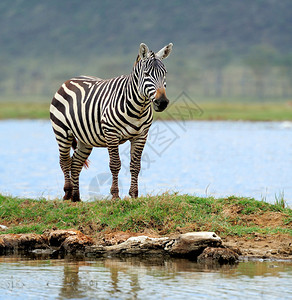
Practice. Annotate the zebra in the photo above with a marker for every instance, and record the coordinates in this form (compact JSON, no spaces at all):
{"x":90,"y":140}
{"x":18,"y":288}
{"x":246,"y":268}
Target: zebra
{"x":89,"y":112}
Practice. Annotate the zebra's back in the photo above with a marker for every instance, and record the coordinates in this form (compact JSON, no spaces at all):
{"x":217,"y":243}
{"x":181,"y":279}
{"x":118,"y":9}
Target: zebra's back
{"x":76,"y":110}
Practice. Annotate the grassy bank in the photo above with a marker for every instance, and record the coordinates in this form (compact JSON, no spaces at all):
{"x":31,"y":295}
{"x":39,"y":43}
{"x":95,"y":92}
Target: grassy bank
{"x":164,"y":214}
{"x":178,"y":111}
{"x":229,"y":111}
{"x":24,"y":110}
{"x":247,"y":111}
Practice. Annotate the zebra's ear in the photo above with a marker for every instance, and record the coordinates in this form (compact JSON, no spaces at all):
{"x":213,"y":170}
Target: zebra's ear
{"x":143,"y":51}
{"x":165,"y":51}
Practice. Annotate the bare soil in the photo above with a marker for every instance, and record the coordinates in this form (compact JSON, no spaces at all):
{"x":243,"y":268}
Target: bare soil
{"x":263,"y":246}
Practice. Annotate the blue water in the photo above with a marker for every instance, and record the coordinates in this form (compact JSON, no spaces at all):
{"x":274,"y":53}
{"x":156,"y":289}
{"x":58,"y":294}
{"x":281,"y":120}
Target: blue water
{"x":133,"y":278}
{"x":202,"y":158}
{"x":252,"y":159}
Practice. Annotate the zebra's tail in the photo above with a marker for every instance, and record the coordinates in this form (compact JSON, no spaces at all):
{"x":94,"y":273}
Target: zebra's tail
{"x":74,"y":146}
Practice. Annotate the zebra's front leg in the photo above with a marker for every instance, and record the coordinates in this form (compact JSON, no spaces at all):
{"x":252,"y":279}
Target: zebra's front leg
{"x":137,"y":147}
{"x":115,"y":166}
{"x":79,"y":157}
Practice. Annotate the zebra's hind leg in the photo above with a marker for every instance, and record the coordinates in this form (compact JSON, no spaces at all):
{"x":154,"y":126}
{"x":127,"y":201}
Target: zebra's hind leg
{"x":65,"y":163}
{"x":137,"y":147}
{"x":115,"y":166}
{"x":79,"y":157}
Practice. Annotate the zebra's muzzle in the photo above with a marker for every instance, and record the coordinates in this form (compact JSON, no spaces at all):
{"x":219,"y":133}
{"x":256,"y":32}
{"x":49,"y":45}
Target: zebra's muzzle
{"x":160,"y":103}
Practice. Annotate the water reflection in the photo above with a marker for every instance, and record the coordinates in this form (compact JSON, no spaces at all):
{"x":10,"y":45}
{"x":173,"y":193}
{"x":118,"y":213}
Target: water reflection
{"x":141,"y":279}
{"x":71,"y":283}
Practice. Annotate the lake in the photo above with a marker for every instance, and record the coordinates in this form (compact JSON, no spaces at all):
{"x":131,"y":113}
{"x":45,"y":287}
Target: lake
{"x":201,"y":158}
{"x":251,"y":159}
{"x":132,"y":278}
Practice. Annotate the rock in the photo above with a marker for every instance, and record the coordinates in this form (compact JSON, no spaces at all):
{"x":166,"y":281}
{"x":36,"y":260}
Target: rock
{"x":218,"y":255}
{"x":2,"y":245}
{"x":95,"y":251}
{"x":193,"y":243}
{"x":22,"y":242}
{"x":9,"y":242}
{"x":32,"y":241}
{"x":63,"y":240}
{"x":234,"y":249}
{"x":43,"y":251}
{"x":68,"y":241}
{"x":274,"y":251}
{"x":57,"y":237}
{"x":76,"y":243}
{"x":286,"y":250}
{"x":3,"y":227}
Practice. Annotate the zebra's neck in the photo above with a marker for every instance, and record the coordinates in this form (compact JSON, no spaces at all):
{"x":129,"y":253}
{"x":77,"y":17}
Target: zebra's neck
{"x":136,"y":106}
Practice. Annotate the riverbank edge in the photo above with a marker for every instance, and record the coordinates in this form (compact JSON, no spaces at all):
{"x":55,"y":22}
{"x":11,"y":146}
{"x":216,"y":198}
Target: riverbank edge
{"x":203,"y":247}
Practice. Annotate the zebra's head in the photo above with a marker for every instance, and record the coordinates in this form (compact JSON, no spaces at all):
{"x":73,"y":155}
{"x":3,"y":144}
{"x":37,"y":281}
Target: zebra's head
{"x":151,"y":80}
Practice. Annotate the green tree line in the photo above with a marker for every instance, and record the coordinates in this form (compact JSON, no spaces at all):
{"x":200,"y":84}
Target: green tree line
{"x":226,"y":48}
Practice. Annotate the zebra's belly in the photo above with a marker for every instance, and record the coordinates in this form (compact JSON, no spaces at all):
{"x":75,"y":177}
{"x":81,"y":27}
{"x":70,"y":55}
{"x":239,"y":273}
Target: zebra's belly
{"x":89,"y":138}
{"x":95,"y":143}
{"x":96,"y":137}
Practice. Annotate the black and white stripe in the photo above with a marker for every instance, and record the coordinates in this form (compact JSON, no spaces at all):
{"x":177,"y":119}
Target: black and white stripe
{"x":106,"y":113}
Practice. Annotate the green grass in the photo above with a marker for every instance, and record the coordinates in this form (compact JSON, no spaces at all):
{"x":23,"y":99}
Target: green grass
{"x":164,"y":214}
{"x":278,"y":111}
{"x":280,"y":199}
{"x":24,"y":110}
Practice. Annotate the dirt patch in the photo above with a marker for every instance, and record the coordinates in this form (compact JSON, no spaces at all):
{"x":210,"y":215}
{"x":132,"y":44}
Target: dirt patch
{"x":263,"y":219}
{"x":265,"y":246}
{"x":268,"y":219}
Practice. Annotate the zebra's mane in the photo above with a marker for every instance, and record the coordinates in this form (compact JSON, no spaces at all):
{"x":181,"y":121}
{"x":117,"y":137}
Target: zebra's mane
{"x":152,"y":54}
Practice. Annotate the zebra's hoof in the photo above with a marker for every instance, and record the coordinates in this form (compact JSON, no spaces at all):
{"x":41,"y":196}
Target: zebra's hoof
{"x":76,"y":197}
{"x":68,"y":195}
{"x":133,"y":194}
{"x":68,"y":189}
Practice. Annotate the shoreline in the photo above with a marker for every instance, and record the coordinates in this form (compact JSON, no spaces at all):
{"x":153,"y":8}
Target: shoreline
{"x":248,"y":227}
{"x":203,"y":247}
